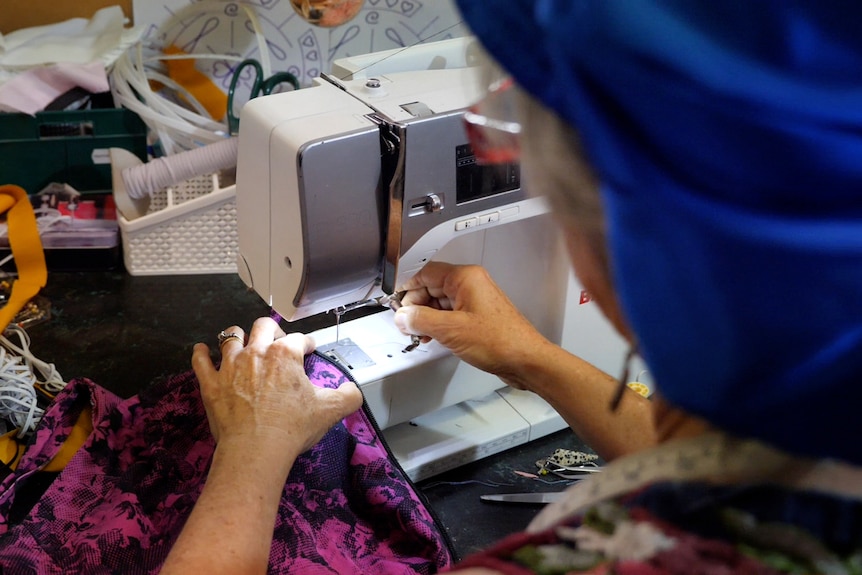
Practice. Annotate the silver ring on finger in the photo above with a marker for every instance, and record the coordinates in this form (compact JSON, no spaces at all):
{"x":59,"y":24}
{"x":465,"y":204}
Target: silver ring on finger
{"x":224,"y":336}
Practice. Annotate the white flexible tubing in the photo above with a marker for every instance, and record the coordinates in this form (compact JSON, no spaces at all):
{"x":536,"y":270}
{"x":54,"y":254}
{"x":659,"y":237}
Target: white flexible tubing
{"x":199,"y":112}
{"x":139,"y":80}
{"x":157,"y":113}
{"x":124,"y":93}
{"x":201,"y":118}
{"x":165,"y":106}
{"x":135,"y":76}
{"x":160,"y":173}
{"x":178,"y":127}
{"x":190,"y":133}
{"x":176,"y":124}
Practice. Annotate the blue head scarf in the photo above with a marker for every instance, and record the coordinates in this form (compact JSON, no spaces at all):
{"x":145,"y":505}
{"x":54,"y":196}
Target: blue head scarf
{"x":728,"y":140}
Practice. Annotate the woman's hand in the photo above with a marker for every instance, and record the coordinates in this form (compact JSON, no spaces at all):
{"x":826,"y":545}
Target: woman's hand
{"x":263,"y":412}
{"x":465,"y":311}
{"x":260,"y":394}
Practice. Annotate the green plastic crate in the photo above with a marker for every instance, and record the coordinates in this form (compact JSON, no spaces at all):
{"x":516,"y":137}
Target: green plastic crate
{"x":67,"y":147}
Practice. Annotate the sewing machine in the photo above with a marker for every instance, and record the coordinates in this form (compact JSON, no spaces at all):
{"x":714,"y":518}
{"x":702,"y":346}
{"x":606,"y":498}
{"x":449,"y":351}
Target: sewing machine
{"x":347,"y":188}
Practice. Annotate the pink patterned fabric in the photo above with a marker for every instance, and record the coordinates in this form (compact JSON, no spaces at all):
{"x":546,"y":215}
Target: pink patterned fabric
{"x":119,"y":505}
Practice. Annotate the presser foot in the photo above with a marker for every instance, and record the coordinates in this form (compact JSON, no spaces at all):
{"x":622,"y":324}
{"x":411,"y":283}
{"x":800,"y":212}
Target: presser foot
{"x":415,"y":340}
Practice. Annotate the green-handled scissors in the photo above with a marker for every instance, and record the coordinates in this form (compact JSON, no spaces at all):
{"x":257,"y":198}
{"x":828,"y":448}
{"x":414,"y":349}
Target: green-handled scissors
{"x":259,"y":86}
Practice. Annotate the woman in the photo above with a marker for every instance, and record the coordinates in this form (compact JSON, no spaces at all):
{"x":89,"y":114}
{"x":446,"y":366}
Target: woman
{"x":703,"y":160}
{"x":705,"y":128}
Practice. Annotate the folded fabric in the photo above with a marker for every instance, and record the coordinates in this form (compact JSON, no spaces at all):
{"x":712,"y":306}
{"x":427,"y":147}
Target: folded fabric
{"x":32,"y":90}
{"x":76,"y":40}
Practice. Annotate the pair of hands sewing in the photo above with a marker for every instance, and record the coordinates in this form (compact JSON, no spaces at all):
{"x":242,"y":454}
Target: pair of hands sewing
{"x":264,"y":412}
{"x":261,"y":397}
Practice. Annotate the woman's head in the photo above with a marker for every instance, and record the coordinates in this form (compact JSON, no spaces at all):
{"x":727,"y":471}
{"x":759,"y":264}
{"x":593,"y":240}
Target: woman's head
{"x":724,"y":140}
{"x":554,"y":166}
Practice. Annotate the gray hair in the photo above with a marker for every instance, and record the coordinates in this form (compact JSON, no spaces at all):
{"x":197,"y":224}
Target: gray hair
{"x":554,"y":165}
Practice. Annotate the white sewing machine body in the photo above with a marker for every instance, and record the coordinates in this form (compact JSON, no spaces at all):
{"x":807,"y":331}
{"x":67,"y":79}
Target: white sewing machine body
{"x":346,"y":189}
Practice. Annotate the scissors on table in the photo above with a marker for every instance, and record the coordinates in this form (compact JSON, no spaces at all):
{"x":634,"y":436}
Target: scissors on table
{"x":259,"y":86}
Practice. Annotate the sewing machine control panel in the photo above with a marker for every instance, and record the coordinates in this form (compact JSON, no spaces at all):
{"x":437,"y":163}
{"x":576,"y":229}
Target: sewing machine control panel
{"x":484,"y":219}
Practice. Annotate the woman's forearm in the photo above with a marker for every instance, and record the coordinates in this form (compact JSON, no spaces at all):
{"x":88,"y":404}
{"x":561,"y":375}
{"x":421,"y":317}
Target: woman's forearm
{"x":582,"y":394}
{"x":230,"y":529}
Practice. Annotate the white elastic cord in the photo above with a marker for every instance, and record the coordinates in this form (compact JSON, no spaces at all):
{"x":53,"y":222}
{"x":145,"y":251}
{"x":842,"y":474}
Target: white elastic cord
{"x":180,"y":128}
{"x":50,"y":379}
{"x":177,"y":127}
{"x":18,"y":401}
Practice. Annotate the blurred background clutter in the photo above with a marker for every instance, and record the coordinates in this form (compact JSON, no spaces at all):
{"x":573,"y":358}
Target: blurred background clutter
{"x":119,"y":121}
{"x":117,"y":118}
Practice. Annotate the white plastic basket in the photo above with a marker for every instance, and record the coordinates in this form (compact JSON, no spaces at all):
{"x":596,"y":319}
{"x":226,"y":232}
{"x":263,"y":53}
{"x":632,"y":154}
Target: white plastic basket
{"x":188,"y":229}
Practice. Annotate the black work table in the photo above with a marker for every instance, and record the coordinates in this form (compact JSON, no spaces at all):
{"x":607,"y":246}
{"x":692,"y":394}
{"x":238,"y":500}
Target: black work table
{"x":124,"y":332}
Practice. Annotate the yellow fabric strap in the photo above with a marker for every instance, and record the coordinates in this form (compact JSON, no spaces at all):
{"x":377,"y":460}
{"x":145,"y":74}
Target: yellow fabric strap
{"x":12,"y":447}
{"x":26,"y":248}
{"x":77,"y":436}
{"x":10,"y":450}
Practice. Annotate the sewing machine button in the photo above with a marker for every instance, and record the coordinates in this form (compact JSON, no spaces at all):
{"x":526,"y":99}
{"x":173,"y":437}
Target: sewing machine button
{"x":489,"y":218}
{"x":468,"y":223}
{"x":510,"y":212}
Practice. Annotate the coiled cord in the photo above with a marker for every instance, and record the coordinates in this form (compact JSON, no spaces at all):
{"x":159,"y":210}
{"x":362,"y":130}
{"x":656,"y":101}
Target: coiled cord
{"x":171,"y":121}
{"x":18,"y":369}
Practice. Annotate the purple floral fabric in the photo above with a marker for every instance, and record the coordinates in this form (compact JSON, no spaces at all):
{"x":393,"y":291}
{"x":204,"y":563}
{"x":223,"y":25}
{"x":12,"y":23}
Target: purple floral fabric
{"x":122,"y":500}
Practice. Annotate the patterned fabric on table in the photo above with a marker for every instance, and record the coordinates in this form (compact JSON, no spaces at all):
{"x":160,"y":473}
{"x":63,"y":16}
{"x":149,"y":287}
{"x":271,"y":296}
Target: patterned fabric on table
{"x":120,"y":503}
{"x":685,"y":528}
